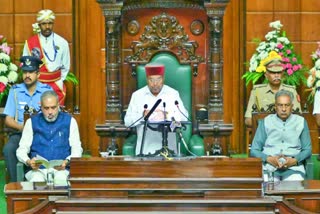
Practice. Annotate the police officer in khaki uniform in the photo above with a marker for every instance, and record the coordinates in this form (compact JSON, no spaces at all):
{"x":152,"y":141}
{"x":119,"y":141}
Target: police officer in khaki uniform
{"x":262,"y":95}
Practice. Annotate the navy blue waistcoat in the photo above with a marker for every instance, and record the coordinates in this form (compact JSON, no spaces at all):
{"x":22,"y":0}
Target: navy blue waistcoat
{"x":51,"y":139}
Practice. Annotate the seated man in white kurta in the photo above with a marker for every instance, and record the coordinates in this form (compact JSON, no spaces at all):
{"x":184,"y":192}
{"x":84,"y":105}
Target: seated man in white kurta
{"x":53,"y":135}
{"x":166,"y":110}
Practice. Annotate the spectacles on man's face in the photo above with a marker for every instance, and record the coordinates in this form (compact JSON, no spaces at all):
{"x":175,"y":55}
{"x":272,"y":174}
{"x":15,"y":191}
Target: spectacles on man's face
{"x":155,"y":80}
{"x":283,"y":105}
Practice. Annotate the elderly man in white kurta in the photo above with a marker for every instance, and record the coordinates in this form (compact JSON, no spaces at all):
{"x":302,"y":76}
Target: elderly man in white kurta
{"x":53,"y":50}
{"x":166,"y":110}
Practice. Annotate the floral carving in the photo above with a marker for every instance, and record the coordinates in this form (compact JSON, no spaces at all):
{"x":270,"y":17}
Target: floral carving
{"x":164,"y":33}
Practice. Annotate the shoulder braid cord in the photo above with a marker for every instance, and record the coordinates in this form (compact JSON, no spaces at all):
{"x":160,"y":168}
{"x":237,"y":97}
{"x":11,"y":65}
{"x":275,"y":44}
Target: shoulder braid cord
{"x":16,"y":101}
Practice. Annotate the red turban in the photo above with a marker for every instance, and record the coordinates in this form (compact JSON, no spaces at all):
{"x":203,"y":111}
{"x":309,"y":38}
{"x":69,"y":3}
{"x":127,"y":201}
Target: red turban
{"x":154,"y":69}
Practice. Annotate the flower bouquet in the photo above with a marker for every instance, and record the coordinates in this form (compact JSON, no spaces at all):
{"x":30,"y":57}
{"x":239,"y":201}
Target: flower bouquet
{"x":276,"y":44}
{"x":314,"y":74}
{"x":8,"y":70}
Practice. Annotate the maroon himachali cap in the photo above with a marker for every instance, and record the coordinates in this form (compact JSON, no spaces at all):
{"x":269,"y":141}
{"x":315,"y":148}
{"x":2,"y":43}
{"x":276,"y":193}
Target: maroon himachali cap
{"x":154,"y":69}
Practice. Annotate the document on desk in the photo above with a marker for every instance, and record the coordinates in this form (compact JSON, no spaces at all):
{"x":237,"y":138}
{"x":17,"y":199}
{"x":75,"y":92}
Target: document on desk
{"x":289,"y":186}
{"x":48,"y":164}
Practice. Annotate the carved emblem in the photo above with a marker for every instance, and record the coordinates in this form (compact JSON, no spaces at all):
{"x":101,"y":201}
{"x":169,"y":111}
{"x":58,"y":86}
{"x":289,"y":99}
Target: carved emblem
{"x":133,"y":27}
{"x":197,"y":27}
{"x":164,"y":33}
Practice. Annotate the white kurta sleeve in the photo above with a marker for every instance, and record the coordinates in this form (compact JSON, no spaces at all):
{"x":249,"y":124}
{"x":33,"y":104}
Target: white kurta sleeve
{"x":74,"y":140}
{"x":25,"y":142}
{"x":134,"y":111}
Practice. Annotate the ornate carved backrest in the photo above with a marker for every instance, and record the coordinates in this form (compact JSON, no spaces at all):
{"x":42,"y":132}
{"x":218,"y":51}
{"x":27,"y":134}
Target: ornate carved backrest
{"x":191,"y":30}
{"x":165,"y":41}
{"x":164,"y":33}
{"x":256,"y":116}
{"x":259,"y":115}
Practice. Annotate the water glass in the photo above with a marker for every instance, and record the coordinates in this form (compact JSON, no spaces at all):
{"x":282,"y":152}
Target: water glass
{"x":270,"y":176}
{"x":50,"y":178}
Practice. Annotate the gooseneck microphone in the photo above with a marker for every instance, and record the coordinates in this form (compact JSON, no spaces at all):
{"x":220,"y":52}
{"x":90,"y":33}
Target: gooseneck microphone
{"x":152,"y":109}
{"x":145,"y":125}
{"x":175,"y":126}
{"x":145,"y":108}
{"x":177,"y":104}
{"x":164,"y":111}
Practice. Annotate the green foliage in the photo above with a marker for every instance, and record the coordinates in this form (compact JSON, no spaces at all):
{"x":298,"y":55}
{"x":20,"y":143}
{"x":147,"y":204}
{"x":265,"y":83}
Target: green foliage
{"x":72,"y":78}
{"x":252,"y":77}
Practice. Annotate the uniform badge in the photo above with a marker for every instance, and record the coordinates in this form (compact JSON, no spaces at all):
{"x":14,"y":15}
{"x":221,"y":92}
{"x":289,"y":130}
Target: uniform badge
{"x":28,"y":62}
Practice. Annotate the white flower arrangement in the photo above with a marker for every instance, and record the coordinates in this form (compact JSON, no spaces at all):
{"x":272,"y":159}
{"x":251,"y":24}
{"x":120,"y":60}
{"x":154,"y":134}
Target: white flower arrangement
{"x":276,"y":44}
{"x":8,"y":70}
{"x":314,"y":74}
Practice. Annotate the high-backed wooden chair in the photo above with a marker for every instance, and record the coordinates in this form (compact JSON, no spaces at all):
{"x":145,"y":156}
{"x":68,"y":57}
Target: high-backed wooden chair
{"x":257,"y":117}
{"x":178,"y":77}
{"x":137,"y":31}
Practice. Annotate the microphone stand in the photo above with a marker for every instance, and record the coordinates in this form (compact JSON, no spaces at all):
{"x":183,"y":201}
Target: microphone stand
{"x":164,"y":151}
{"x":143,"y":137}
{"x":179,"y":154}
{"x":146,"y":118}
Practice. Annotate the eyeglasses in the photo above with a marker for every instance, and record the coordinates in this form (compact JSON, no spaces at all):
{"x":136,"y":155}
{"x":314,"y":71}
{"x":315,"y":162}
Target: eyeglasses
{"x":155,"y":80}
{"x":286,"y":105}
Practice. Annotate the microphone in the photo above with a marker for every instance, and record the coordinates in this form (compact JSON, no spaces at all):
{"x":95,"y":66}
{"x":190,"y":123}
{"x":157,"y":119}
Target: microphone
{"x":177,"y":104}
{"x":145,"y":108}
{"x":175,"y":125}
{"x":164,"y":111}
{"x":152,"y":109}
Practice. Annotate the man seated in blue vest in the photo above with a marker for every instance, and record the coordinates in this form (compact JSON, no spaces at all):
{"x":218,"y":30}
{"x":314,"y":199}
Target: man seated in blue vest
{"x":282,"y":141}
{"x":51,"y":134}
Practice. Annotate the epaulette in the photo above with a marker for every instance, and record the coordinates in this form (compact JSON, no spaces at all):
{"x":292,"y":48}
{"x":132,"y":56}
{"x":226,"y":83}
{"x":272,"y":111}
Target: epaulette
{"x":289,"y":86}
{"x":46,"y":86}
{"x":14,"y":86}
{"x":260,"y":86}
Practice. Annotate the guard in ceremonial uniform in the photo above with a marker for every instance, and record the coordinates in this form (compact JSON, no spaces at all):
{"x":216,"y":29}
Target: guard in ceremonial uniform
{"x":26,"y":93}
{"x":262,"y":95}
{"x":54,"y":52}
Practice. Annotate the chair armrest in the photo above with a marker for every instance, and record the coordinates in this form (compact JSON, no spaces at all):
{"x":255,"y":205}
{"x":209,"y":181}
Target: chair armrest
{"x":196,"y":145}
{"x":129,"y":145}
{"x":309,"y":168}
{"x":20,"y":171}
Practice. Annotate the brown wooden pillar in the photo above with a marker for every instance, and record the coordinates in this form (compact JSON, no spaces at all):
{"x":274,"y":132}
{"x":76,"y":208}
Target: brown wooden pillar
{"x":112,"y":14}
{"x":215,"y":13}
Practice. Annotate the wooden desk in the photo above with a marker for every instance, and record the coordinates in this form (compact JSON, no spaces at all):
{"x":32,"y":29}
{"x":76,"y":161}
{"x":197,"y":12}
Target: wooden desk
{"x":302,"y":194}
{"x":22,"y":196}
{"x":198,"y":185}
{"x":201,"y":177}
